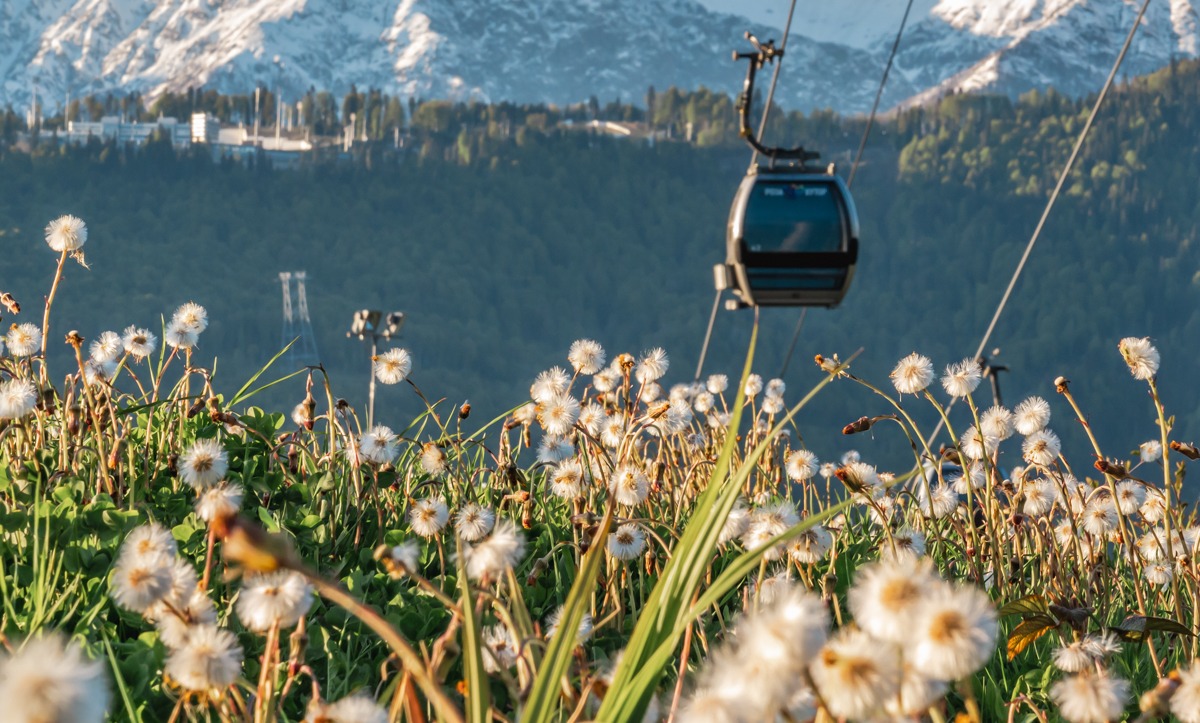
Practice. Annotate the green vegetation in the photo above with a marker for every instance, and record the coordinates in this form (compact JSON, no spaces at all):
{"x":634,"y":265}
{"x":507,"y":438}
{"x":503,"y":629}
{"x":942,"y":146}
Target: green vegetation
{"x":505,"y":237}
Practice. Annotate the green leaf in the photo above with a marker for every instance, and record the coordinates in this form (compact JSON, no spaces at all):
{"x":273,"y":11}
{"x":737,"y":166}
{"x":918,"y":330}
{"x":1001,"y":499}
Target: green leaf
{"x":1028,"y":605}
{"x":1028,"y":631}
{"x":1137,"y":628}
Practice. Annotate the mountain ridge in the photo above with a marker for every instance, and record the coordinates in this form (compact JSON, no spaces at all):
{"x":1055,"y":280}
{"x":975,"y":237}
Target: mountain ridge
{"x":540,"y":51}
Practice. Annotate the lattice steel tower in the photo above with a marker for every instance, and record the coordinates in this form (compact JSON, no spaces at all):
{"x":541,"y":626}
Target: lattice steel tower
{"x":296,"y":324}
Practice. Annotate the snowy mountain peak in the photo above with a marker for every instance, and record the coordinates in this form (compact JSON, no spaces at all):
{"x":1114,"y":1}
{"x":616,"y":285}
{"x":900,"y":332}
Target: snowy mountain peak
{"x":542,"y":50}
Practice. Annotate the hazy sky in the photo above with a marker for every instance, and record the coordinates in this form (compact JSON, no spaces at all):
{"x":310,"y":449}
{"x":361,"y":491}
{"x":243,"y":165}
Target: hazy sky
{"x":853,"y":22}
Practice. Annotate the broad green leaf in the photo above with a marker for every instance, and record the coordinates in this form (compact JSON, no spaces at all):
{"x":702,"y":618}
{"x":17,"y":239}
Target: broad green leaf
{"x":1028,"y":631}
{"x":1028,"y":605}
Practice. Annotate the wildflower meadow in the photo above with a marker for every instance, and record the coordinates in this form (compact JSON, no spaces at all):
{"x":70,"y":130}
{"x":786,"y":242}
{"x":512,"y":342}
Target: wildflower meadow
{"x":625,"y":544}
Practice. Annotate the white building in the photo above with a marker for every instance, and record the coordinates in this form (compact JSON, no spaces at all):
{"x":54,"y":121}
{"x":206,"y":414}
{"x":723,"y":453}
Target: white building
{"x":205,"y":128}
{"x":112,"y":128}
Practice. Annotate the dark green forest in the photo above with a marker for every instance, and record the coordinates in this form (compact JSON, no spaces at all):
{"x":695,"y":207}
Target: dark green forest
{"x":505,"y":236}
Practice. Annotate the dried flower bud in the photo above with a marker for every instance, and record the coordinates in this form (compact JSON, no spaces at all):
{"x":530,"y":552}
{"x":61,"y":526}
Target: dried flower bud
{"x":75,"y":339}
{"x":861,"y":424}
{"x":1060,"y":384}
{"x":10,"y":303}
{"x":464,"y":411}
{"x":1114,"y":469}
{"x":1187,"y":450}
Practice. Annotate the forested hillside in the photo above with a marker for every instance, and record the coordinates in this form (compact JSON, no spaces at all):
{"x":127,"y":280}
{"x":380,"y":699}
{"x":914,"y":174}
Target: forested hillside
{"x":505,"y":237}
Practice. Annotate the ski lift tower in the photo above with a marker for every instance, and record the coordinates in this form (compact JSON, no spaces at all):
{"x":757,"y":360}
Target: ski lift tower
{"x":296,"y":323}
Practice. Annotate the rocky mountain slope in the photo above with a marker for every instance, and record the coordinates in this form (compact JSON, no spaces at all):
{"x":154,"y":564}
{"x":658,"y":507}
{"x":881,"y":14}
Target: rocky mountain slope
{"x":562,"y":52}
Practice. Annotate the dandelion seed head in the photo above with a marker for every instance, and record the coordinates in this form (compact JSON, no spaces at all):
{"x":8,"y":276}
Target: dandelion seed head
{"x":499,"y":648}
{"x":1140,"y":355}
{"x":754,"y":386}
{"x":558,"y":414}
{"x":203,"y":464}
{"x":107,"y":347}
{"x":629,"y":485}
{"x":211,"y":660}
{"x":549,"y":384}
{"x":139,"y":581}
{"x":357,"y":708}
{"x":496,"y":555}
{"x":474,"y":521}
{"x":274,"y":599}
{"x":1090,"y":697}
{"x":1185,"y":703}
{"x":912,"y":374}
{"x":139,"y":343}
{"x":955,"y":632}
{"x":24,"y":339}
{"x":997,"y":421}
{"x":886,"y":596}
{"x":378,"y":445}
{"x":66,"y":233}
{"x":1041,"y":448}
{"x":18,"y":397}
{"x":811,"y":546}
{"x":584,"y":631}
{"x":855,"y":674}
{"x":393,"y":366}
{"x":962,"y":378}
{"x":652,"y":366}
{"x":428,"y":516}
{"x":586,"y":356}
{"x":49,"y":679}
{"x":627,"y":542}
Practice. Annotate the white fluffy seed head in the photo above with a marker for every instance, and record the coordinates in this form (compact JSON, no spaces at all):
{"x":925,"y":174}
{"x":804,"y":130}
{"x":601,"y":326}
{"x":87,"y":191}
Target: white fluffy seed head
{"x":66,"y":233}
{"x":274,"y":599}
{"x":49,"y":679}
{"x":204,"y":464}
{"x":211,"y":660}
{"x":954,"y":632}
{"x":962,"y":378}
{"x":139,"y":581}
{"x":1090,"y":697}
{"x":393,"y":366}
{"x":856,"y":674}
{"x":24,"y":339}
{"x":1140,"y":355}
{"x":586,"y":356}
{"x":429,"y":516}
{"x":474,"y":521}
{"x":912,"y":374}
{"x":18,"y":397}
{"x":627,"y":542}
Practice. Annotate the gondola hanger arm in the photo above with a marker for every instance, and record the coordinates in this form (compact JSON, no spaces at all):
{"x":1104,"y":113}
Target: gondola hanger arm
{"x":763,"y":54}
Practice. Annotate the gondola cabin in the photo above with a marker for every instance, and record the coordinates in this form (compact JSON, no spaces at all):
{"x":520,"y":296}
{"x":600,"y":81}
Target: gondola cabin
{"x":792,"y":239}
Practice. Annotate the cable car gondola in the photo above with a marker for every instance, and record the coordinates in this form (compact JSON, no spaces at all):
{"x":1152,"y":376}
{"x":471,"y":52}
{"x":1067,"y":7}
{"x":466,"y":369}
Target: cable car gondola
{"x":792,"y":236}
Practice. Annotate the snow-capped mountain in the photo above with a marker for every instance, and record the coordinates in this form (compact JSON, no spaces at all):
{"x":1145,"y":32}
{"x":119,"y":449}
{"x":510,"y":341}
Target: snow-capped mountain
{"x":562,"y":52}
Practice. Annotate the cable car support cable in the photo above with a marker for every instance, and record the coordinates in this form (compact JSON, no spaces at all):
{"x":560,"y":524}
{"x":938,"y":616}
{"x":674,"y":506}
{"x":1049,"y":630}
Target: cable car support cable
{"x":887,"y":69}
{"x":1062,"y":179}
{"x":862,"y":145}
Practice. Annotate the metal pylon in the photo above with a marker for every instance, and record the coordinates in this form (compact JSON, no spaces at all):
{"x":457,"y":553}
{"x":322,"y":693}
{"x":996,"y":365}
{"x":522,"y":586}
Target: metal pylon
{"x":296,"y":323}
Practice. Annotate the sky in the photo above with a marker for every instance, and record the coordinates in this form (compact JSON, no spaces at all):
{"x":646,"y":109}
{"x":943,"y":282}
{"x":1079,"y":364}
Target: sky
{"x":851,"y":22}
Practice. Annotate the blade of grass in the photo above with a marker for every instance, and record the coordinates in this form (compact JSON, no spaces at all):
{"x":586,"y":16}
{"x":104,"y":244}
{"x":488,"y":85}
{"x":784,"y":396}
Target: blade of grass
{"x":542,"y":702}
{"x":478,"y":697}
{"x":663,"y":618}
{"x":250,"y":382}
{"x":116,"y":670}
